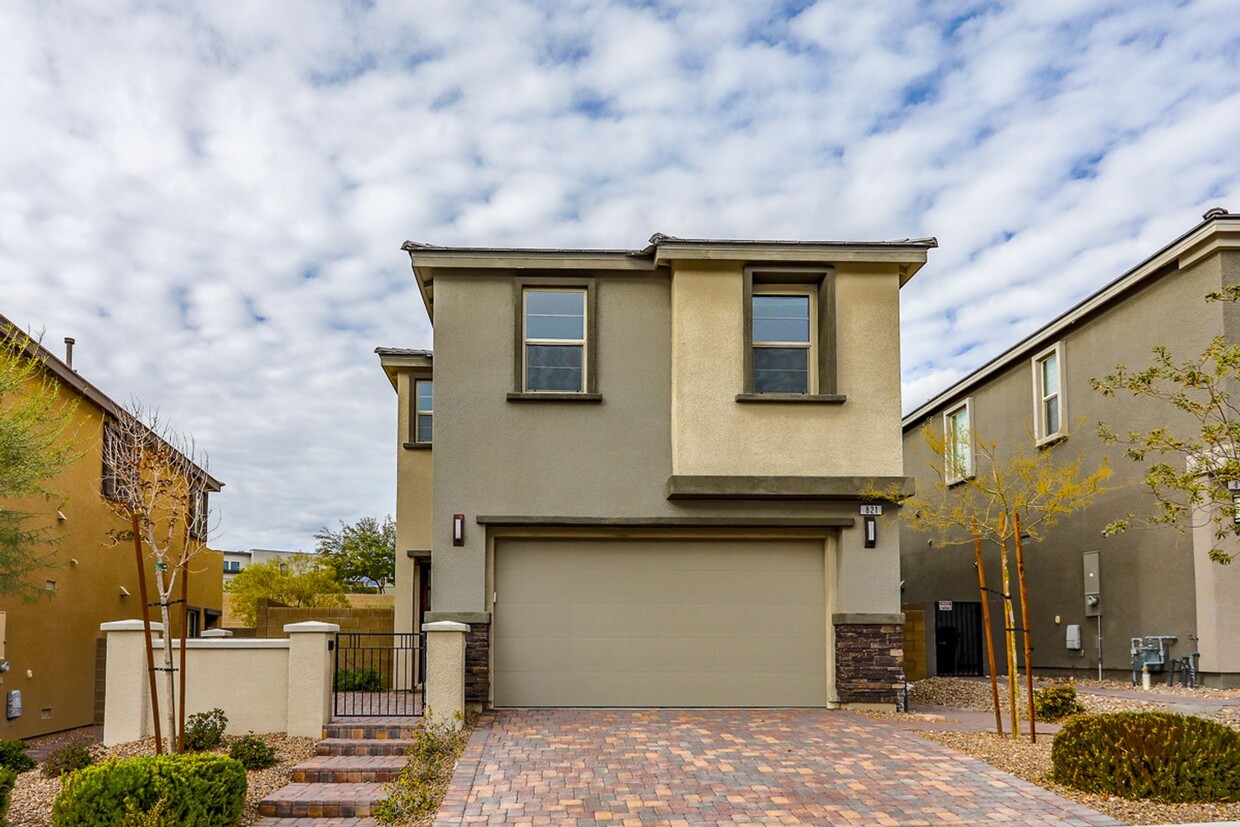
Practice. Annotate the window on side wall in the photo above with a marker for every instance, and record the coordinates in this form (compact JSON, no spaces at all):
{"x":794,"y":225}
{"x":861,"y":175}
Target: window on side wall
{"x":958,"y":442}
{"x":1048,"y":394}
{"x":555,"y":340}
{"x":199,"y":512}
{"x":423,"y":411}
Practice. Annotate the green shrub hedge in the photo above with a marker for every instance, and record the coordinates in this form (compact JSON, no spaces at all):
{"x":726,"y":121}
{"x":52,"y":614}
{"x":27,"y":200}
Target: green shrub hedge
{"x":70,"y":757}
{"x":13,"y":756}
{"x":7,"y":779}
{"x":1155,"y":755}
{"x":191,"y":790}
{"x":253,"y":752}
{"x":363,"y":680}
{"x":1056,"y":702}
{"x":205,"y":730}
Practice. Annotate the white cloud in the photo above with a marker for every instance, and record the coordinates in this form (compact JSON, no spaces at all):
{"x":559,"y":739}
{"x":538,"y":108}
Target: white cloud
{"x":211,"y":196}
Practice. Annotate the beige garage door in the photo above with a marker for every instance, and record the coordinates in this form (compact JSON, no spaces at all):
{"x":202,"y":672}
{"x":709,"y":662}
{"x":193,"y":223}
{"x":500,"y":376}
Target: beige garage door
{"x":659,"y":623}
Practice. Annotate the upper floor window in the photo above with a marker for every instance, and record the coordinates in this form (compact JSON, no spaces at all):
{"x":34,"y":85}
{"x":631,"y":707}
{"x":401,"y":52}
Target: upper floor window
{"x":198,"y":514}
{"x":423,"y":410}
{"x":1048,"y":394}
{"x":958,"y":442}
{"x":110,"y":485}
{"x":554,"y":340}
{"x":784,"y":357}
{"x":232,"y":566}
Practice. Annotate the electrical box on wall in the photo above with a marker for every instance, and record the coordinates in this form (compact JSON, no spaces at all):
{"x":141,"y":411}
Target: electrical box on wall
{"x":1093,"y":583}
{"x":13,"y":704}
{"x":1074,"y":637}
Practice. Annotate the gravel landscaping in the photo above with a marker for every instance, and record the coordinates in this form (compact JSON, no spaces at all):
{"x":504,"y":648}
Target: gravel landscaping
{"x":33,"y":794}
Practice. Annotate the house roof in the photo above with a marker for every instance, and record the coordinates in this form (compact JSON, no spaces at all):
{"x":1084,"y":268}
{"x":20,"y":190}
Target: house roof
{"x":75,"y":380}
{"x":426,"y":259}
{"x":393,"y":359}
{"x":1218,"y":230}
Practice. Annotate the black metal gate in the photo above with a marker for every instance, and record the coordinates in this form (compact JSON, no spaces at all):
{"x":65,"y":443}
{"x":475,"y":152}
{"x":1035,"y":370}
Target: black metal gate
{"x":378,"y":675}
{"x":958,"y":638}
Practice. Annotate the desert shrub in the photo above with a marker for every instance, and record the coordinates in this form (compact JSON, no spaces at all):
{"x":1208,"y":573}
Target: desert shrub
{"x":416,"y":792}
{"x":70,"y":757}
{"x":363,"y":680}
{"x":13,"y":756}
{"x":205,"y":730}
{"x":1056,"y":702}
{"x":185,"y":790}
{"x":252,"y":752}
{"x":1155,"y":755}
{"x":7,"y":779}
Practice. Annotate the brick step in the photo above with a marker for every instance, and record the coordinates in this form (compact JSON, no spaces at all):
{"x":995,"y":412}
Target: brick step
{"x":349,"y":769}
{"x":322,"y":801}
{"x":316,"y":822}
{"x":360,"y":746}
{"x":368,"y":730}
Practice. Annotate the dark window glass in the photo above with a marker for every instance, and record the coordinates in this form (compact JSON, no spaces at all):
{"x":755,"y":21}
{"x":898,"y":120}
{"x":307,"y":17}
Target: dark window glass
{"x":555,"y":314}
{"x":424,"y":409}
{"x":553,"y":367}
{"x":425,"y":427}
{"x":781,"y":319}
{"x":780,"y":370}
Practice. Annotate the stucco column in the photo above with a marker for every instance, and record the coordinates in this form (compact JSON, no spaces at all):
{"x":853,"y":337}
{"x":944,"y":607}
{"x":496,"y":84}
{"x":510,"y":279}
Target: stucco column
{"x":445,"y":673}
{"x":127,"y":702}
{"x":309,"y":677}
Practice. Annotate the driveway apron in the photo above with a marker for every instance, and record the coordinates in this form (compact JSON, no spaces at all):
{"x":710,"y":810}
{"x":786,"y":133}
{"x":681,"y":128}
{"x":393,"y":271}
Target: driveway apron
{"x":719,"y":766}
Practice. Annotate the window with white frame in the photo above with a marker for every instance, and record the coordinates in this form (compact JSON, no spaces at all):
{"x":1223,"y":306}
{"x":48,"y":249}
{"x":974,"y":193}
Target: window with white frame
{"x":784,"y":340}
{"x":554,"y":340}
{"x":958,"y":442}
{"x":423,"y":411}
{"x":1048,"y":394}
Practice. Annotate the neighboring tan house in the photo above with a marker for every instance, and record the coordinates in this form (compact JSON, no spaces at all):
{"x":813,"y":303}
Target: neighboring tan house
{"x":238,"y":561}
{"x":53,"y":645}
{"x":1089,"y":594}
{"x":651,"y":466}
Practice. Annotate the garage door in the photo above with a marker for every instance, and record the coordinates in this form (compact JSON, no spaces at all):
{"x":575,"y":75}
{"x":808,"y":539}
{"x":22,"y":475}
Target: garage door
{"x":659,"y":623}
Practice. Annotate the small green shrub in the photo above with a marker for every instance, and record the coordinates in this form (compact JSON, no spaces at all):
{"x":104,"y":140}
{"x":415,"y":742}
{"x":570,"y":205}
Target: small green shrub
{"x":363,"y":680}
{"x":205,"y":730}
{"x":1056,"y":702}
{"x":7,"y":779}
{"x":13,"y":756}
{"x":183,"y":790}
{"x":252,"y":752}
{"x":1155,"y":755}
{"x":417,"y":790}
{"x":70,"y":757}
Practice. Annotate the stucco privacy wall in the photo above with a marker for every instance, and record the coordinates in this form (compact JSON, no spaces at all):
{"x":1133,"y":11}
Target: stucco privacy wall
{"x":713,"y":435}
{"x":275,"y":685}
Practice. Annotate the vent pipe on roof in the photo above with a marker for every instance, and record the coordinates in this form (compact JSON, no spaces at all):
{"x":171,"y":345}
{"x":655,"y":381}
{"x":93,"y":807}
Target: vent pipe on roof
{"x":1215,"y":212}
{"x":69,"y":340}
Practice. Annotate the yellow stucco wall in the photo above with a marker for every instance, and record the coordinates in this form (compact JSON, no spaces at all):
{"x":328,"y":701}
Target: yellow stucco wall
{"x":50,"y":643}
{"x":413,"y":505}
{"x":714,"y":435}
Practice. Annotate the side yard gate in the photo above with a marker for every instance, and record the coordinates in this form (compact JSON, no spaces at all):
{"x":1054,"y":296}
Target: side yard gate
{"x":378,"y":675}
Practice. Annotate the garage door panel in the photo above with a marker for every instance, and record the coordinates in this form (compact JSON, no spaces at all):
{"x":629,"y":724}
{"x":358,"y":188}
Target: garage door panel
{"x":659,"y":623}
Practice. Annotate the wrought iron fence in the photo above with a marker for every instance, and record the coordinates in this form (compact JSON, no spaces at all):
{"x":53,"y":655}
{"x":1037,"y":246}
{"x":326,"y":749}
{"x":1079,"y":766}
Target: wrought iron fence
{"x":378,"y":675}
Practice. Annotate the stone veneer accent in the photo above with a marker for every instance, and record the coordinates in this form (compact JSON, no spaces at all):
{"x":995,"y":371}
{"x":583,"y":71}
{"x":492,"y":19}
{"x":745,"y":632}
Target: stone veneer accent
{"x":478,"y":663}
{"x":869,"y":665}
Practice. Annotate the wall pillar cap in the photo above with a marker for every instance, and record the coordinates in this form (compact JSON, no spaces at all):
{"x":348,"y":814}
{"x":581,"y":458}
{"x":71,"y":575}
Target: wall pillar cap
{"x":311,"y":626}
{"x":129,"y":626}
{"x":445,"y":626}
{"x":217,"y":633}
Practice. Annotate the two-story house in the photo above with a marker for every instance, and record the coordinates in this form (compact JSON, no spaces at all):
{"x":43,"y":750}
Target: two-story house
{"x":52,"y":646}
{"x":1089,"y":595}
{"x":639,"y":475}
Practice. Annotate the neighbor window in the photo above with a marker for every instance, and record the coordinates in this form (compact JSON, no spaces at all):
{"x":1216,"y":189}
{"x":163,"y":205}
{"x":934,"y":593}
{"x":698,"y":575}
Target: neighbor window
{"x":554,"y":339}
{"x":958,"y":442}
{"x":199,"y":512}
{"x":423,"y":410}
{"x":784,"y":359}
{"x":1048,"y":394}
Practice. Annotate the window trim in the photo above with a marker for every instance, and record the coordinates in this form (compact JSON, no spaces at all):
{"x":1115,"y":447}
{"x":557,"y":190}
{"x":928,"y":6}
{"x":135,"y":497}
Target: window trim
{"x":949,"y":442}
{"x":416,"y":412}
{"x":819,"y":282}
{"x":589,"y":360}
{"x":1039,"y":397}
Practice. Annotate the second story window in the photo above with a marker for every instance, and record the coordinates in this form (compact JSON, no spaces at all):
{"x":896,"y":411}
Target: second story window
{"x":423,"y":411}
{"x":958,"y":442}
{"x":554,"y":340}
{"x":199,"y":512}
{"x":784,"y":358}
{"x":1048,"y":394}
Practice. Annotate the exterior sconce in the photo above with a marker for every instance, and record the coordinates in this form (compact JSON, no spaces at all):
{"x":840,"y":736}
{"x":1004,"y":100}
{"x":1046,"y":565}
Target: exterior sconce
{"x":458,"y":529}
{"x":871,"y":532}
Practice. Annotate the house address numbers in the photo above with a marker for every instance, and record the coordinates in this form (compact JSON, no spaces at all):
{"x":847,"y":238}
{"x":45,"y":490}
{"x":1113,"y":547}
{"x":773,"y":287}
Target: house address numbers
{"x":871,"y":511}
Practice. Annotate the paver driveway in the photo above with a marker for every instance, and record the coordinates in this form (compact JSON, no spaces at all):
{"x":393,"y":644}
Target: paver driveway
{"x":689,"y":767}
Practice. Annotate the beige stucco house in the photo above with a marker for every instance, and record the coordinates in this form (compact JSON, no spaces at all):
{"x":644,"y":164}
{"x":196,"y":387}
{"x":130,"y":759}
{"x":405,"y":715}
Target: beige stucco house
{"x":638,"y":475}
{"x":1090,"y":594}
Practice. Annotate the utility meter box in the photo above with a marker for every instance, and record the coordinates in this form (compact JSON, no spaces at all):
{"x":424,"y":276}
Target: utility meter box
{"x":13,"y":704}
{"x":1093,"y":583}
{"x":1074,"y":637}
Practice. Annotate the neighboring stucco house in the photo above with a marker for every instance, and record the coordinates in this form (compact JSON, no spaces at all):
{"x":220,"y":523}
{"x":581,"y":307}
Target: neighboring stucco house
{"x":53,"y":645}
{"x":649,"y":470}
{"x":1089,"y":594}
{"x":237,"y":561}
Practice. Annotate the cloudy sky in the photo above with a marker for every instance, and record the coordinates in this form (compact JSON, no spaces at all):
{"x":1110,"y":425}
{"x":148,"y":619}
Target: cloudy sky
{"x":211,"y":196}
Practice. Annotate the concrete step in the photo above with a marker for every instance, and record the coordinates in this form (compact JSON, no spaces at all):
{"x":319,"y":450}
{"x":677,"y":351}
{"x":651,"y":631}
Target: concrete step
{"x":373,"y":729}
{"x":316,"y":822}
{"x":361,"y":746}
{"x":322,"y":801}
{"x":349,"y":769}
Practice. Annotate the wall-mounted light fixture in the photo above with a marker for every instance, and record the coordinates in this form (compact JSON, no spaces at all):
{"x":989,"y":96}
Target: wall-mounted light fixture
{"x":458,"y":529}
{"x":871,"y":532}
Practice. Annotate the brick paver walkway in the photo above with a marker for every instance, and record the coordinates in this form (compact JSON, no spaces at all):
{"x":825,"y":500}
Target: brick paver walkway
{"x":698,"y":767}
